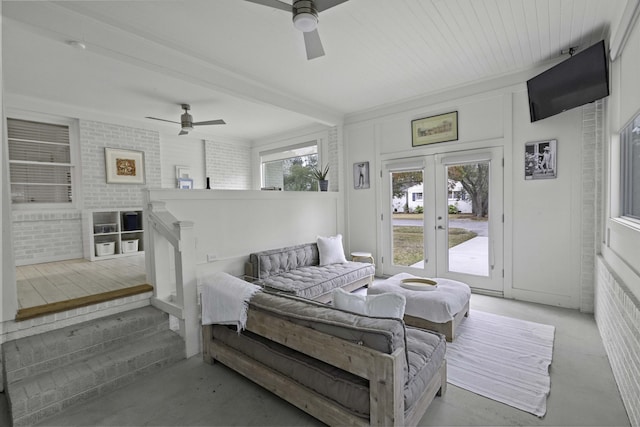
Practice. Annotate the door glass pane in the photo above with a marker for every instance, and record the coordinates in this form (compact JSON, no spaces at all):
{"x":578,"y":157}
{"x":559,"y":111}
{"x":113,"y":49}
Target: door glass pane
{"x":468,"y":219}
{"x":408,"y":218}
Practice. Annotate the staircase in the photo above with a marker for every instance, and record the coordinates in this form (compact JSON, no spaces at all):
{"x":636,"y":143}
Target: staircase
{"x":48,"y":373}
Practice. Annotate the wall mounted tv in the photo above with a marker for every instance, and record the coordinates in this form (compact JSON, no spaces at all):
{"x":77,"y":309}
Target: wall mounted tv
{"x":579,"y":80}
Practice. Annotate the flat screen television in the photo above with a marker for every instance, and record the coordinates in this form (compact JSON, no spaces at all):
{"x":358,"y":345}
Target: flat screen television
{"x":579,"y":80}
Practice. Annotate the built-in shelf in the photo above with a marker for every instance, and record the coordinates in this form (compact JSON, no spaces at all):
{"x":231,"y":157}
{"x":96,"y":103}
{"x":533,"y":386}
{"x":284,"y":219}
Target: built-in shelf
{"x":113,"y":233}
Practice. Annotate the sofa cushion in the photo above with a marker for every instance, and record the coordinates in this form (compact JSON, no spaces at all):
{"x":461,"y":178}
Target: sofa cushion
{"x":314,"y":281}
{"x":330,"y":250}
{"x":381,"y":334}
{"x":426,"y":352}
{"x":277,"y":261}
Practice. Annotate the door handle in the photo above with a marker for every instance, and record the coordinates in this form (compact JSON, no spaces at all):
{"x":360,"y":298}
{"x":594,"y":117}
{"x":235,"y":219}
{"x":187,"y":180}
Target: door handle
{"x":440,"y":227}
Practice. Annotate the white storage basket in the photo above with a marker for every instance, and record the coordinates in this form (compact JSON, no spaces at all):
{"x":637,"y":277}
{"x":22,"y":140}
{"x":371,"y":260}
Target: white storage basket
{"x":106,"y":248}
{"x":129,"y":246}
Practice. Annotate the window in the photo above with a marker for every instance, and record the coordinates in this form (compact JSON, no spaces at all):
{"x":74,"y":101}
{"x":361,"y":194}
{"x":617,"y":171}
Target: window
{"x":630,"y":161}
{"x":290,"y":168}
{"x":39,"y":162}
{"x":417,"y":197}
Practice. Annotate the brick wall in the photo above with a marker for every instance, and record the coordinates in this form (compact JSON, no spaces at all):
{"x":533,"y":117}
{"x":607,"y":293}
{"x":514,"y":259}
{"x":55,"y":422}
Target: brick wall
{"x":592,"y":193}
{"x":228,"y":165}
{"x":617,"y":314}
{"x":41,"y":236}
{"x":334,"y":159}
{"x":94,"y":137}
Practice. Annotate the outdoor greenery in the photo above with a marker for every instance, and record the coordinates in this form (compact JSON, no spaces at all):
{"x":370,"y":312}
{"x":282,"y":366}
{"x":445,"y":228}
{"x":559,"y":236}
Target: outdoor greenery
{"x":402,"y":181}
{"x":475,"y":181}
{"x":408,"y":247}
{"x":299,"y":175}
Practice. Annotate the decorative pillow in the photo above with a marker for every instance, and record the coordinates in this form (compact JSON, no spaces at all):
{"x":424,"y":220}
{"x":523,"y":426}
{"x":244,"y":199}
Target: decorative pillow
{"x":386,"y":305}
{"x":330,"y":250}
{"x":380,"y":305}
{"x":343,"y":300}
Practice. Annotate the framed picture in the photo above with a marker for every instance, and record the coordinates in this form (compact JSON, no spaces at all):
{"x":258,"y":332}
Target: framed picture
{"x":124,"y":166}
{"x":185,"y":183}
{"x":540,"y":159}
{"x":441,"y":128}
{"x":183,"y":172}
{"x":361,"y":175}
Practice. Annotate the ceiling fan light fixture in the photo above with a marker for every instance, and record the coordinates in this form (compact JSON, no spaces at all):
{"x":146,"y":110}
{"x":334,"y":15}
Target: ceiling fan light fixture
{"x":305,"y":22}
{"x":305,"y":16}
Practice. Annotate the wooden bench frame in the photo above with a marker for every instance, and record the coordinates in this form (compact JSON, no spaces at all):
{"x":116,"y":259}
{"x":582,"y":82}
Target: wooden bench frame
{"x":385,"y":372}
{"x":448,"y":328}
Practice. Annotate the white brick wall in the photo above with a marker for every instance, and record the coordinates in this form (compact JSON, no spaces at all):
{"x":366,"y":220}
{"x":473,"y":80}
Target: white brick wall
{"x":592,"y":155}
{"x":334,"y":159}
{"x":228,"y":165}
{"x":42,"y":236}
{"x":617,"y":314}
{"x":94,"y":137}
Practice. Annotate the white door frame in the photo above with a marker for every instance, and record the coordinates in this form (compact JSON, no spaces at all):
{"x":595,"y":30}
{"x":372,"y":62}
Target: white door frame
{"x":436,"y":252}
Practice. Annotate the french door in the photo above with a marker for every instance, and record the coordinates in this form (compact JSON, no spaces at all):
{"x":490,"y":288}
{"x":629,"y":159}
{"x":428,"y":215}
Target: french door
{"x":442,"y":217}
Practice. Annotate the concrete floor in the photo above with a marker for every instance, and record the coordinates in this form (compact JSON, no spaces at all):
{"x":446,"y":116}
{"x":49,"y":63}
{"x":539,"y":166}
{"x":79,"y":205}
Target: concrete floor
{"x":191,"y":393}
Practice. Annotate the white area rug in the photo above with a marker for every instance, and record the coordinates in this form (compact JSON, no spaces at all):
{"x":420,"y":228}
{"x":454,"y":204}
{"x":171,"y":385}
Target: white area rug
{"x":504,"y":359}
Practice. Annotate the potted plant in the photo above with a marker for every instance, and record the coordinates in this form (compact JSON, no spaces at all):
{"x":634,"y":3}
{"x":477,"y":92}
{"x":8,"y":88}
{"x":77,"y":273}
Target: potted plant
{"x":321,"y":176}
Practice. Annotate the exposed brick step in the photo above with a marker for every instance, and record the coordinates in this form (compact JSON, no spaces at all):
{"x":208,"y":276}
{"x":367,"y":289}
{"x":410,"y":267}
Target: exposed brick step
{"x":47,"y":373}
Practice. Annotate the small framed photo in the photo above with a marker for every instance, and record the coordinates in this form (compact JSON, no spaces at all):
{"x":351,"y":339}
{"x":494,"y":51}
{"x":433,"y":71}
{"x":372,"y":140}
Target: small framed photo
{"x":430,"y":130}
{"x":183,"y":172}
{"x":185,"y":183}
{"x":361,"y":175}
{"x":540,"y":159}
{"x":124,"y":166}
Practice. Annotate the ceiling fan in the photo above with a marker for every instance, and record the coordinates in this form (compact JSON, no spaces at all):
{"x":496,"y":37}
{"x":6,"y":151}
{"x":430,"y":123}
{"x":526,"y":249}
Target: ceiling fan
{"x":305,"y":19}
{"x":186,"y":121}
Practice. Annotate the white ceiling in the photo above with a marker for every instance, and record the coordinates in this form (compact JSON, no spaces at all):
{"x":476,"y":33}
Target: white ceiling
{"x":245,"y":62}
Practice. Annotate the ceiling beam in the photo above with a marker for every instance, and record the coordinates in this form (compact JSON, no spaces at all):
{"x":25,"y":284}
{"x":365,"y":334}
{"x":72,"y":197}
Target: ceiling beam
{"x":69,"y":21}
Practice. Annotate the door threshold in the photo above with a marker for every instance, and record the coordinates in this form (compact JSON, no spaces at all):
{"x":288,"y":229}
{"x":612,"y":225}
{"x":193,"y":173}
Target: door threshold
{"x":56,"y":307}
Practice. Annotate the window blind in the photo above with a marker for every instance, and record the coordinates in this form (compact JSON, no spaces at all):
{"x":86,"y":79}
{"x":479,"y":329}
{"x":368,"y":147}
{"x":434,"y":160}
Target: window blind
{"x":39,"y":162}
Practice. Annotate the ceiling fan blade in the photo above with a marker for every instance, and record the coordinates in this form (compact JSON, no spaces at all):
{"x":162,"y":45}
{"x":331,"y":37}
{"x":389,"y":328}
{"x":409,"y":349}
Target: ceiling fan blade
{"x":183,"y":132}
{"x":210,"y":122}
{"x":162,"y":120}
{"x":313,"y":44}
{"x":273,"y":3}
{"x":325,"y":4}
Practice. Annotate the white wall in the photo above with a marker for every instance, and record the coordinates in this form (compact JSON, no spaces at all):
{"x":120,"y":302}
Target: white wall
{"x":182,"y":151}
{"x":229,"y":224}
{"x":547,"y":214}
{"x":228,"y":165}
{"x":617,"y":299}
{"x":542,"y":217}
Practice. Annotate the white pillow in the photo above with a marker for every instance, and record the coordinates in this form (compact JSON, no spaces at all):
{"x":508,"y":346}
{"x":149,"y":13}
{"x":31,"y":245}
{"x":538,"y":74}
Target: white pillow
{"x":380,"y":305}
{"x":331,"y":250}
{"x":386,"y":305}
{"x":349,"y":302}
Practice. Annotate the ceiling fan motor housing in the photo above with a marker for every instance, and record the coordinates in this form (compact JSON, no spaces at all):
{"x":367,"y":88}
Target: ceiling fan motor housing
{"x":305,"y":15}
{"x":186,"y":120}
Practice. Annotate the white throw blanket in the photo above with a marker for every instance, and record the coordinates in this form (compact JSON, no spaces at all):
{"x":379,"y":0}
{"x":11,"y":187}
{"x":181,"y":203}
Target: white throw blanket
{"x":225,"y":300}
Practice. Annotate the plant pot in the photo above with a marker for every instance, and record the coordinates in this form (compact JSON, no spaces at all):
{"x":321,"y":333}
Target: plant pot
{"x":324,"y":184}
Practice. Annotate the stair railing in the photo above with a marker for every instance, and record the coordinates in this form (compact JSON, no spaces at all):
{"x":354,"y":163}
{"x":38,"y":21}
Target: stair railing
{"x":171,"y":267}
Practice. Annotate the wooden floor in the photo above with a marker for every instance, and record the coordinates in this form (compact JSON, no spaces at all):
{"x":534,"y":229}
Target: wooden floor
{"x":55,"y":282}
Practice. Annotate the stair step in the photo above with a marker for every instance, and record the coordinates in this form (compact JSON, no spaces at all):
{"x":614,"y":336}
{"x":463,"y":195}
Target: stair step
{"x":35,"y":354}
{"x":40,"y":396}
